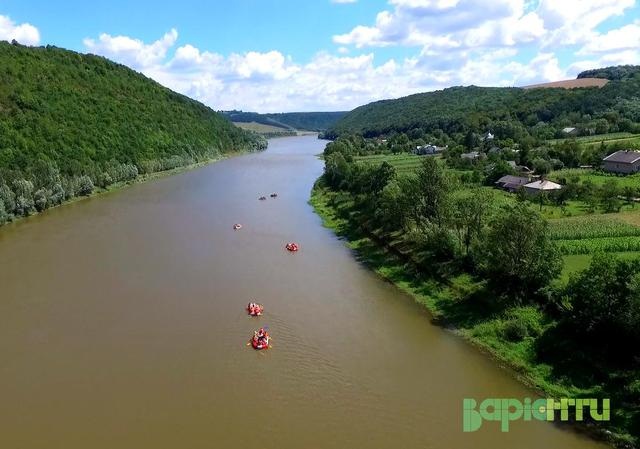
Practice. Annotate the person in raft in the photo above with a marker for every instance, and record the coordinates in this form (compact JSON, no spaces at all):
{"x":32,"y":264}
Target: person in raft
{"x":262,"y":336}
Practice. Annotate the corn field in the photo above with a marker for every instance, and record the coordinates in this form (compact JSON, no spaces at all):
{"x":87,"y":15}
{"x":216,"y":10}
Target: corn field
{"x":590,"y":228}
{"x":602,"y":244}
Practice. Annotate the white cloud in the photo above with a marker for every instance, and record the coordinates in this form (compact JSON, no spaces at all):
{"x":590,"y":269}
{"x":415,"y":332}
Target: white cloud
{"x":625,"y":38}
{"x":571,"y":22}
{"x":24,"y":33}
{"x":273,"y":82}
{"x":132,"y":52}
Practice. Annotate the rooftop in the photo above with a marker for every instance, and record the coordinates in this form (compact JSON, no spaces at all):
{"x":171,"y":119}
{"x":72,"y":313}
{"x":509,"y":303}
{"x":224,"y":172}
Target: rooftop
{"x":623,"y":157}
{"x":543,"y":185}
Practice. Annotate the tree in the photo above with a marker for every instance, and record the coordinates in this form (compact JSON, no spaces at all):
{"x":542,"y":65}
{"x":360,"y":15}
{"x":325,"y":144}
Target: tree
{"x":542,"y":166}
{"x":8,"y":198}
{"x":85,"y":185}
{"x":381,"y":177}
{"x":433,"y":194}
{"x":609,"y":196}
{"x":629,"y":195}
{"x":24,"y":196}
{"x":605,"y":300}
{"x":336,"y":169}
{"x":4,"y":216}
{"x":518,"y":255}
{"x":40,"y":200}
{"x":469,"y":217}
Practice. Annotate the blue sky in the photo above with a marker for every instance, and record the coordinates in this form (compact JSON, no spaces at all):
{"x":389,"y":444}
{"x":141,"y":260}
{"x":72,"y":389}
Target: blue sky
{"x":281,"y":55}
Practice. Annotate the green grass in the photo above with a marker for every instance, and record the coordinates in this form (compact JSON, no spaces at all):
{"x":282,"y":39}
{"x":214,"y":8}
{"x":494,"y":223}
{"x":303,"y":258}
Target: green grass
{"x":263,"y":129}
{"x":578,"y":262}
{"x":598,"y":138}
{"x":403,"y":163}
{"x":597,"y":177}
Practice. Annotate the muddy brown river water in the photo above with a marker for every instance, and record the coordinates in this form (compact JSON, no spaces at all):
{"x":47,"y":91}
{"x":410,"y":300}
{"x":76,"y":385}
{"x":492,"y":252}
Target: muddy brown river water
{"x":122,"y":325}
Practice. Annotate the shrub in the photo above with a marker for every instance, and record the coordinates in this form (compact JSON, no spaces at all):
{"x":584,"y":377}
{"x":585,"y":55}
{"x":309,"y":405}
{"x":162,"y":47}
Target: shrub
{"x":515,"y":330}
{"x":40,"y":200}
{"x":85,"y":185}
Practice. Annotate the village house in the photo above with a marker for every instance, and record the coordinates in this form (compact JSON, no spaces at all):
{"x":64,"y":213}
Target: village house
{"x":472,"y":156}
{"x":624,"y":162}
{"x":512,"y":183}
{"x":428,"y":149}
{"x":488,"y":136}
{"x":536,"y":187}
{"x":570,"y":131}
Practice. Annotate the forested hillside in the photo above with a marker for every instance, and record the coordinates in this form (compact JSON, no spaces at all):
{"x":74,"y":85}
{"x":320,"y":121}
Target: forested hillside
{"x":303,"y":121}
{"x":70,"y":121}
{"x":612,"y":73}
{"x":518,"y":114}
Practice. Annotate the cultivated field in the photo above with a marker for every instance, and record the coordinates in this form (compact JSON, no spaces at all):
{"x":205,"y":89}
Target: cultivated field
{"x":570,"y":84}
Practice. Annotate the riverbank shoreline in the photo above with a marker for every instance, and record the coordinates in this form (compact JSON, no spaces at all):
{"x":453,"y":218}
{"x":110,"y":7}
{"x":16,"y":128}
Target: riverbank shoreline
{"x":115,"y":187}
{"x":398,"y":269}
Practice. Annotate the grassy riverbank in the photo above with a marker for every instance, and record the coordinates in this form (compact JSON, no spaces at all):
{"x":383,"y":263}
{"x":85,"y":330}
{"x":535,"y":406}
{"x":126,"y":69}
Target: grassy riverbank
{"x":460,"y":302}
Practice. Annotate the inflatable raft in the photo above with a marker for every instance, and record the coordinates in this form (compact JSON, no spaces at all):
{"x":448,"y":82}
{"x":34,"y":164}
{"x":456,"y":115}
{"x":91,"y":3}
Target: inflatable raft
{"x":259,"y":344}
{"x":255,"y":309}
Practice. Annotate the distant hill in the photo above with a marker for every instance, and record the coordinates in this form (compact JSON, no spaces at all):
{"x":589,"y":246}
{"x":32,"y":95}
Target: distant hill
{"x":508,"y":113}
{"x":619,"y":72}
{"x":571,"y":84}
{"x":302,"y":121}
{"x":70,"y":121}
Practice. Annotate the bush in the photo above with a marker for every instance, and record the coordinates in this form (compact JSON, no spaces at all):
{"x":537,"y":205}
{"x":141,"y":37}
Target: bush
{"x":4,"y":216}
{"x":530,"y":317}
{"x":85,"y":185}
{"x":40,"y":200}
{"x":515,"y":330}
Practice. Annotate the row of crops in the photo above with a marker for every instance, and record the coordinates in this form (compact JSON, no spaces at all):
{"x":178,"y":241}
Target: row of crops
{"x":403,"y":163}
{"x":591,"y":227}
{"x":602,"y":244}
{"x":591,"y":234}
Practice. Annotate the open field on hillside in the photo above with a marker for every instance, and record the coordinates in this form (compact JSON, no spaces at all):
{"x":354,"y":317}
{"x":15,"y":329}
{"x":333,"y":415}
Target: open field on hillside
{"x":595,"y":176}
{"x":570,"y":84}
{"x":262,"y":129}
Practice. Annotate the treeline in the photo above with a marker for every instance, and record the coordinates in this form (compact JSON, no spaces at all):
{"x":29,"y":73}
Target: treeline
{"x":303,"y":121}
{"x":71,"y":122}
{"x":612,"y":73}
{"x":525,"y":116}
{"x":587,"y":330}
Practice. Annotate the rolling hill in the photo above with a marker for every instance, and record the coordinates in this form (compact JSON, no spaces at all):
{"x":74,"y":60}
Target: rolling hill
{"x":69,"y":121}
{"x":509,"y":113}
{"x":301,"y":121}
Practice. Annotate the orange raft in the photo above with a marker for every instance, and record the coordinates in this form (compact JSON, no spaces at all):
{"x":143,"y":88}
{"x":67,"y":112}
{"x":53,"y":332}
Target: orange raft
{"x":260,"y":340}
{"x":293,"y":247}
{"x":254,"y":309}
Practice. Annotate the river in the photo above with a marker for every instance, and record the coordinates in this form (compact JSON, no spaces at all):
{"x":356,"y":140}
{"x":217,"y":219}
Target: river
{"x":122,"y":325}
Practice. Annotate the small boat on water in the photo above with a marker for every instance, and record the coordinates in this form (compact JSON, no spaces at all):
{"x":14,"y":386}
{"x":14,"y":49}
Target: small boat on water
{"x":262,"y":198}
{"x":293,"y":247}
{"x":260,"y":340}
{"x":237,"y":226}
{"x":255,"y":309}
{"x":274,"y":195}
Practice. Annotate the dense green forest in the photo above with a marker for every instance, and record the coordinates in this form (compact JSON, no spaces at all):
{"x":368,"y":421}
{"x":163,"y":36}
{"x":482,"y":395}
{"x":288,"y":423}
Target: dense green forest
{"x":521,"y":116}
{"x":303,"y":121}
{"x":71,"y":122}
{"x":612,"y":73}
